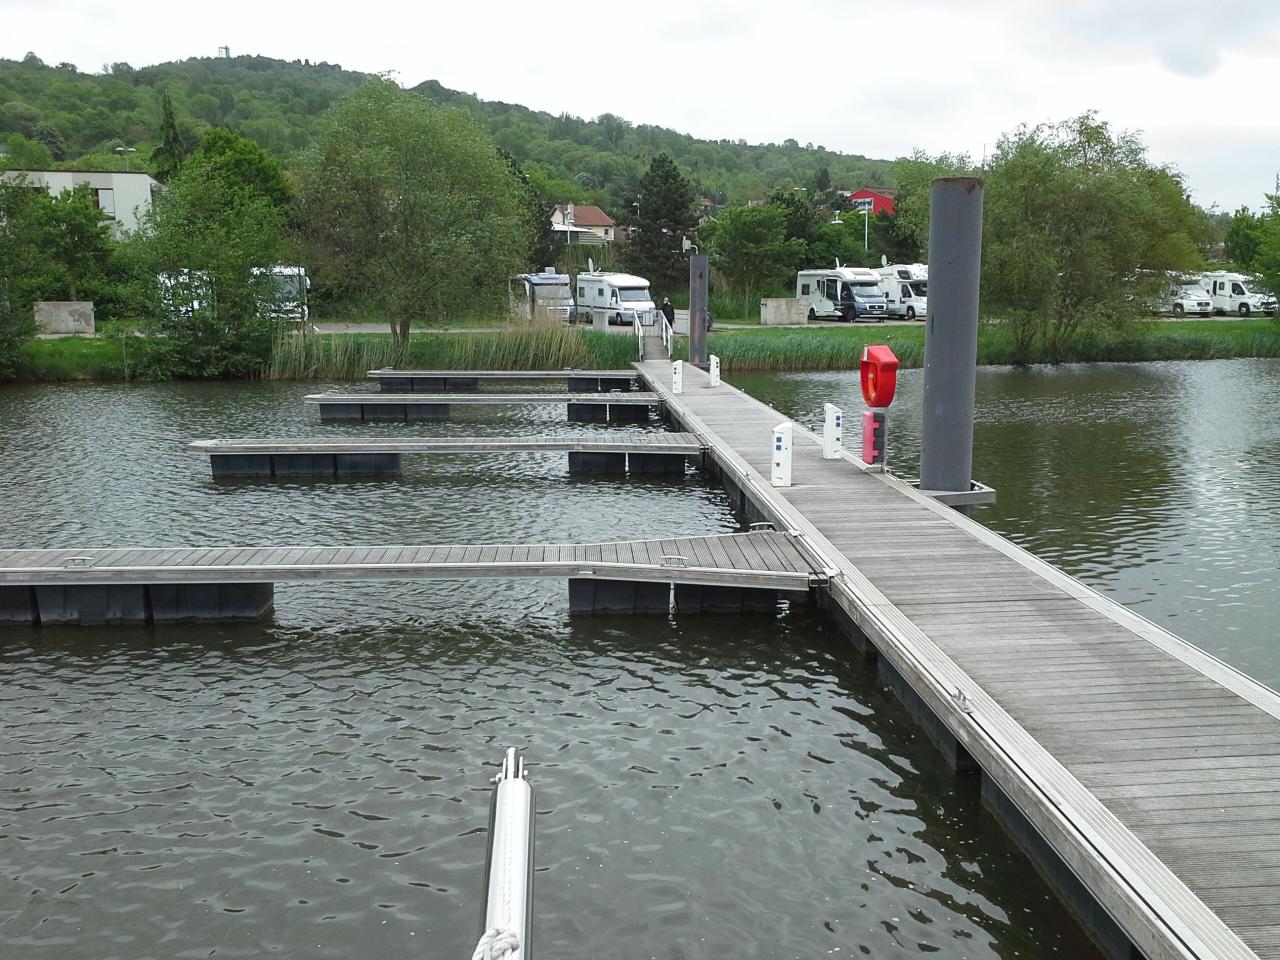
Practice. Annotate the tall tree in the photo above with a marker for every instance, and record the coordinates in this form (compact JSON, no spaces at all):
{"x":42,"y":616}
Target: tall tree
{"x":211,"y":240}
{"x":409,"y":205}
{"x":1244,"y":237}
{"x":76,"y":237}
{"x":21,"y":238}
{"x":750,"y":248}
{"x":1072,"y":212}
{"x":175,"y":143}
{"x":665,"y":216}
{"x":226,"y":154}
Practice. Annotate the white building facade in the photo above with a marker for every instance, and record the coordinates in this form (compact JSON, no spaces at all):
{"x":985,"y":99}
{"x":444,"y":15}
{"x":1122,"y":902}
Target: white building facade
{"x":124,"y":197}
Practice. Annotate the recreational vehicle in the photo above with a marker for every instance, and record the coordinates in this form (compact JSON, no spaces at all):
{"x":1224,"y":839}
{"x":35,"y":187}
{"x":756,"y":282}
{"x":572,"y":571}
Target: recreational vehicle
{"x":1237,"y":293}
{"x":545,"y":294}
{"x":1184,"y":296}
{"x":613,"y":298}
{"x":906,"y":289}
{"x":844,"y":293}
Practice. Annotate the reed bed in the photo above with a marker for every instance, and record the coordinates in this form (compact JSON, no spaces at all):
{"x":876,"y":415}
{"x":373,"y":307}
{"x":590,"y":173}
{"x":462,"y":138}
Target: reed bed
{"x":540,"y":346}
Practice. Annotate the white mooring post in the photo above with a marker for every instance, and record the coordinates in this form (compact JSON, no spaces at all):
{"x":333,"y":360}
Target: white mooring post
{"x":715,"y":370}
{"x":677,"y":378}
{"x":781,"y":455}
{"x":832,"y":432}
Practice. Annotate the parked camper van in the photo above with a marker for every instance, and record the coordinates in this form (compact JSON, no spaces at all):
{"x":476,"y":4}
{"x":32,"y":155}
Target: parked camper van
{"x":614,"y":298}
{"x":906,"y":289}
{"x":286,"y":297}
{"x":845,"y":293}
{"x":545,"y":294}
{"x":1184,"y":296}
{"x":1236,"y":293}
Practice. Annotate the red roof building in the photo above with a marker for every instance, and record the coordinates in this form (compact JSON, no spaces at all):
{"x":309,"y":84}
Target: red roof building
{"x":880,"y":197}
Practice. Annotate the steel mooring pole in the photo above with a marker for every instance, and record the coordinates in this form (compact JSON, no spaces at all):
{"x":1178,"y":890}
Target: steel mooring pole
{"x":951,"y":334}
{"x":698,"y":276}
{"x":508,"y":885}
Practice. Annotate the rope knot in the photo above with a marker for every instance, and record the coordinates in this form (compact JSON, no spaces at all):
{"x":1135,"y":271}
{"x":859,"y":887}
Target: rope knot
{"x":496,"y":944}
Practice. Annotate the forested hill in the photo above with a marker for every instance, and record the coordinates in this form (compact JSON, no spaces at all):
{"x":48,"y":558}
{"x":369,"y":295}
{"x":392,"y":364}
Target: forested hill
{"x":56,"y":115}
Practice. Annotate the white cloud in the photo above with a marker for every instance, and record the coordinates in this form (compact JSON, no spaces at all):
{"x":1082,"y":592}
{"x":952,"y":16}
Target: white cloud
{"x":867,"y":78}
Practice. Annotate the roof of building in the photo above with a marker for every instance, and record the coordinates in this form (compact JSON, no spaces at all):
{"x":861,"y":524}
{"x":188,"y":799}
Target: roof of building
{"x":586,"y":215}
{"x":879,"y":191}
{"x":118,"y":173}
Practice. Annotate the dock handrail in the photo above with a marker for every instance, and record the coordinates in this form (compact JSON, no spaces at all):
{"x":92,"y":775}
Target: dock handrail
{"x":668,"y":336}
{"x":507,"y":921}
{"x":638,"y":327}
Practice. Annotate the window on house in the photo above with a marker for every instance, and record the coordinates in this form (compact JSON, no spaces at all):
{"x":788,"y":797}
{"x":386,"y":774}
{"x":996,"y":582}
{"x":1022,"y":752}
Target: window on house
{"x":105,"y":200}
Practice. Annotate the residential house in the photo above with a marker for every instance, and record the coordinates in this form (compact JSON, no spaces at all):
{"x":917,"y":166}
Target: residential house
{"x":124,"y":196}
{"x":582,"y":223}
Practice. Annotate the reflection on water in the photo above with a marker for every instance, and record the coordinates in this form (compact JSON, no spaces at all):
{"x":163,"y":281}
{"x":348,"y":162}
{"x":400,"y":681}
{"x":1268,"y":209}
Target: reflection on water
{"x":1158,"y":484}
{"x":316,"y":785}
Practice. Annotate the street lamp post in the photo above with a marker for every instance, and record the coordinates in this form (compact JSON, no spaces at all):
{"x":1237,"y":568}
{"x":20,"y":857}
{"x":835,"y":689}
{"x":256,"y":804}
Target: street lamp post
{"x":866,"y":220}
{"x":124,"y":152}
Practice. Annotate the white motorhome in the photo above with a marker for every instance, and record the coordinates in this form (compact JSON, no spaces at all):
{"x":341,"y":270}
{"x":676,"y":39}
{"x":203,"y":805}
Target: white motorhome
{"x":287,"y":295}
{"x":845,"y":293}
{"x":1237,"y":293}
{"x":1184,"y":296}
{"x":545,"y":294}
{"x":906,"y":289}
{"x":613,"y":298}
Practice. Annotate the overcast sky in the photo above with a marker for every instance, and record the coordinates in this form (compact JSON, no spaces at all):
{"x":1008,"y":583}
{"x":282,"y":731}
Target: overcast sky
{"x":1195,"y":77}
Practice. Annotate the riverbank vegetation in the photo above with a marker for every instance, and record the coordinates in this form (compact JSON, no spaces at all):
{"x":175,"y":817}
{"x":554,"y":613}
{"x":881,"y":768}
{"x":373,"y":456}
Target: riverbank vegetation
{"x":556,"y":347}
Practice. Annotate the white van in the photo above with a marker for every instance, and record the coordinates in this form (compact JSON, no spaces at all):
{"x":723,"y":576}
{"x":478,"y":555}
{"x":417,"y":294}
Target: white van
{"x":613,"y":298}
{"x":906,"y":289}
{"x":545,"y":294}
{"x":1184,"y":296}
{"x":1236,"y":293}
{"x":288,"y":293}
{"x":844,"y":293}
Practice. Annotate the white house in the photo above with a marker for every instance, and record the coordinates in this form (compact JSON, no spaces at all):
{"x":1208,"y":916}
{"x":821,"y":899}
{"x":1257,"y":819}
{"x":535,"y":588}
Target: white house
{"x":125,"y":197}
{"x":582,"y":223}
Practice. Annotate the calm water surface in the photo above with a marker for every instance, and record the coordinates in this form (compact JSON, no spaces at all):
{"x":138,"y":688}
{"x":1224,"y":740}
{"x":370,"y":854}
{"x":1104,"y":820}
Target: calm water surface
{"x":1158,"y":484}
{"x":316,"y":785}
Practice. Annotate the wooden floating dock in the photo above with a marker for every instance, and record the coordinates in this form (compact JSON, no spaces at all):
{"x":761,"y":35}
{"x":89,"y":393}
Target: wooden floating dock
{"x":648,"y":453}
{"x":619,"y":406}
{"x":725,"y":573}
{"x":577,"y":381}
{"x":1140,"y":773}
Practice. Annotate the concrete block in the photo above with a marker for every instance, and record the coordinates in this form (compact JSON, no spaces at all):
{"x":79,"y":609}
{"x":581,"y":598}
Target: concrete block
{"x":589,"y":596}
{"x":302,"y":465}
{"x":705,"y":598}
{"x":64,"y":316}
{"x":461,"y":383}
{"x":428,"y":384}
{"x":656,"y":463}
{"x":599,"y":462}
{"x":628,"y":413}
{"x":375,"y":412}
{"x":17,"y":605}
{"x":210,"y":601}
{"x":588,"y":412}
{"x":956,"y":756}
{"x":424,"y":411}
{"x":367,"y":464}
{"x":92,"y":603}
{"x":783,"y":312}
{"x":339,"y":411}
{"x":395,"y":384}
{"x":240,"y":465}
{"x":606,"y":384}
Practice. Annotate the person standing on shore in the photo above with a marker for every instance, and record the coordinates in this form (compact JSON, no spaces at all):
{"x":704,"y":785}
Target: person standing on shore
{"x":668,"y":311}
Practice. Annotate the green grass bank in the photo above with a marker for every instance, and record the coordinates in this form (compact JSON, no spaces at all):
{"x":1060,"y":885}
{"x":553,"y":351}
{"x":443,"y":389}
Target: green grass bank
{"x":553,"y":347}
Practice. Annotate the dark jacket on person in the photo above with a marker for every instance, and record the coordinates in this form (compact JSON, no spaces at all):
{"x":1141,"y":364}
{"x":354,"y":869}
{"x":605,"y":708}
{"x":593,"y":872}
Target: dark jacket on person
{"x":668,"y":311}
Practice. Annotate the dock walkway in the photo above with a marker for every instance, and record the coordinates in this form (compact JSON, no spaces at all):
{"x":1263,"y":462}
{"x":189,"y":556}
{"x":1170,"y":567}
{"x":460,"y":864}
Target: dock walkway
{"x":1144,"y":772}
{"x":724,"y":572}
{"x":664,"y":453}
{"x":622,"y":405}
{"x":449,"y":380}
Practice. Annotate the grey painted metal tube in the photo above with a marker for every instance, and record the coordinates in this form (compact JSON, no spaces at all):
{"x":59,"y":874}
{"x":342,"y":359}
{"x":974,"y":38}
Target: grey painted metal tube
{"x":951,"y":334}
{"x":508,"y":895}
{"x":698,"y":280}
